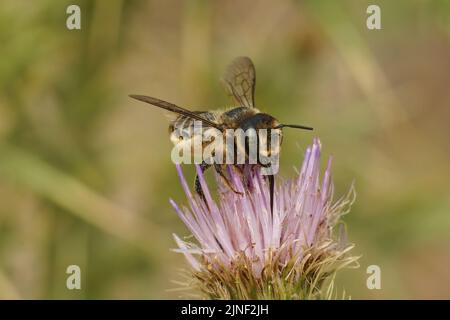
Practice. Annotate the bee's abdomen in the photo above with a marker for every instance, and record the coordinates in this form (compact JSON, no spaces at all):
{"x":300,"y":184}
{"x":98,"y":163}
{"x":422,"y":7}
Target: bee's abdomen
{"x":183,"y":126}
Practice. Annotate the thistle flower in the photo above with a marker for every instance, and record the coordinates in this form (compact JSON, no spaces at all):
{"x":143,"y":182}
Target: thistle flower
{"x":243,"y":250}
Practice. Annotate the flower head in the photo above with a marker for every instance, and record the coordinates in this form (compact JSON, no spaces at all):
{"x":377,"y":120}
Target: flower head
{"x":246,"y":250}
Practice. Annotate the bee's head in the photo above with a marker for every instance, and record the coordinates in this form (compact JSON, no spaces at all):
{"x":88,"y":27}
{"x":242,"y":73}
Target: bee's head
{"x":273,"y":132}
{"x":264,"y":122}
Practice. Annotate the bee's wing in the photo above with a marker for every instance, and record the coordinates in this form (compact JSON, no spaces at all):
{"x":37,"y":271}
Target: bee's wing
{"x":174,"y":108}
{"x":239,"y":80}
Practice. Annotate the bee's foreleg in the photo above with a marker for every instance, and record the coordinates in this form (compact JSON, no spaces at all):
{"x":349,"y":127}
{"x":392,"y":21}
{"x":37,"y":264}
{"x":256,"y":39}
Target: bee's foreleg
{"x":271,"y":190}
{"x":198,"y":186}
{"x":271,"y":180}
{"x":219,"y":170}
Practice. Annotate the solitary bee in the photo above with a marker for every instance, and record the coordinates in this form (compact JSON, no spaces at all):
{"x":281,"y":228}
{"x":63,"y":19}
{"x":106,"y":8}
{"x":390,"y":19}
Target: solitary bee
{"x":239,"y":80}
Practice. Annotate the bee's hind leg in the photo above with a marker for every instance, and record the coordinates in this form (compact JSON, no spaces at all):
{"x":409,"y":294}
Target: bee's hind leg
{"x":219,"y":170}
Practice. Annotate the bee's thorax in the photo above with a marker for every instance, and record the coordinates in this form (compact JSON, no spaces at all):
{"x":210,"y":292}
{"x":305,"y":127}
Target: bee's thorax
{"x":259,"y":121}
{"x":234,"y":117}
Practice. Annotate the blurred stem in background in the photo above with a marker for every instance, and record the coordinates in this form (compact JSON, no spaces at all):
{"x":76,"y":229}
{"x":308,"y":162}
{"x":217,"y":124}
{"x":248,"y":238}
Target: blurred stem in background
{"x":55,"y":93}
{"x":7,"y":288}
{"x":29,"y":172}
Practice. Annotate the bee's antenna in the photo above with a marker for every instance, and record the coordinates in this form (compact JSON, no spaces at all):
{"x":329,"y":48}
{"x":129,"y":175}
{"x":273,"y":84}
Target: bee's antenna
{"x":297,"y":126}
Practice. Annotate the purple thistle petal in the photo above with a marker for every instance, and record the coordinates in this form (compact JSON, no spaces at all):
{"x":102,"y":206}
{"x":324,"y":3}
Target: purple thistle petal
{"x":182,"y":245}
{"x":244,"y":224}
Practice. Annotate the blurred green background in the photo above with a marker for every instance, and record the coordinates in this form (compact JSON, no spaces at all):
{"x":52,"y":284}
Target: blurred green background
{"x":85,"y":172}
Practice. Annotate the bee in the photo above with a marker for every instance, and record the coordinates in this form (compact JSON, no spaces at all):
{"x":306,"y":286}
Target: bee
{"x":239,"y":81}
